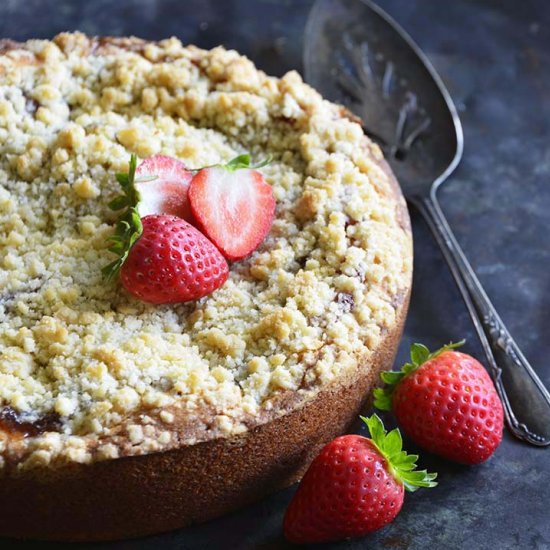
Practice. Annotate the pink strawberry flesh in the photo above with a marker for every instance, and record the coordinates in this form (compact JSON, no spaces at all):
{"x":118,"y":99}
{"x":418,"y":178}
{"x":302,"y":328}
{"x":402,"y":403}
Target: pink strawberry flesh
{"x":172,"y":262}
{"x":167,"y":193}
{"x":234,"y":209}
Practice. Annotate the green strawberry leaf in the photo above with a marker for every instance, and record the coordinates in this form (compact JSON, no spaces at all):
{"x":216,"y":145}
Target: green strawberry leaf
{"x":124,"y":179}
{"x":382,"y":399}
{"x":243,"y":161}
{"x":400,"y":464}
{"x":394,"y":442}
{"x":129,"y":227}
{"x":419,"y":355}
{"x":119,"y":202}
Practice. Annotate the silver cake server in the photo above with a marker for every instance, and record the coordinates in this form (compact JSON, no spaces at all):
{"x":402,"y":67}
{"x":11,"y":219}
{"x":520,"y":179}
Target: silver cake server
{"x":357,"y":55}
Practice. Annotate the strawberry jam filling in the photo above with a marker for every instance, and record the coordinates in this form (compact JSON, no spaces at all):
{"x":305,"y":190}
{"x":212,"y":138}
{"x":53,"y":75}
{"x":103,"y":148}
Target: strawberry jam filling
{"x":13,"y":422}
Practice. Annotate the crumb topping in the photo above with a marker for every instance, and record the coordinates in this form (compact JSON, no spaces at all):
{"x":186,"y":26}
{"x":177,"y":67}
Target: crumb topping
{"x":118,"y":376}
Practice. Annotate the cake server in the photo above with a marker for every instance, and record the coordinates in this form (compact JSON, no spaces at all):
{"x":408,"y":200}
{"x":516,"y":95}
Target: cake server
{"x":357,"y":55}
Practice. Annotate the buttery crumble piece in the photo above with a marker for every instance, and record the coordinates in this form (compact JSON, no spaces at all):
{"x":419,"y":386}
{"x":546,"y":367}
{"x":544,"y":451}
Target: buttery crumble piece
{"x":301,"y":311}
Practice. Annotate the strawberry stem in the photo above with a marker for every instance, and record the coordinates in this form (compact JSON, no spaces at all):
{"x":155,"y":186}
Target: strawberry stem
{"x":400,"y":464}
{"x":128,"y":228}
{"x":420,"y":354}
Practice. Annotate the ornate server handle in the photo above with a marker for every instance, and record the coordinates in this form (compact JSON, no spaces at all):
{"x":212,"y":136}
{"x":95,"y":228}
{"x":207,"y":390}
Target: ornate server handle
{"x":526,"y":401}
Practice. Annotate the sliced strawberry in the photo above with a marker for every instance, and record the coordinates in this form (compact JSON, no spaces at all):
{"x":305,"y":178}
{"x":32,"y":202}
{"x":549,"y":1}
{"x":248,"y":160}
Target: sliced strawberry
{"x":234,"y":208}
{"x":167,"y":192}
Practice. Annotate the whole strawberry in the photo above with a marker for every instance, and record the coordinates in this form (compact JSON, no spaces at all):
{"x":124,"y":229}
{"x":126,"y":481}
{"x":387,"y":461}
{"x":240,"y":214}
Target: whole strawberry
{"x":354,"y":486}
{"x":446,"y":403}
{"x":172,"y":262}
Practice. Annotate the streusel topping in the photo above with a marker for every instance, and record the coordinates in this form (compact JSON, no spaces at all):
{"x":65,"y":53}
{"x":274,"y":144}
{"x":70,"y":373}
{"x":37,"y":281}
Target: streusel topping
{"x":104,"y":367}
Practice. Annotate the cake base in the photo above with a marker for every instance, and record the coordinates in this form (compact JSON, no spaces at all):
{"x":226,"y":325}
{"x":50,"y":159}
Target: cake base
{"x":142,"y":495}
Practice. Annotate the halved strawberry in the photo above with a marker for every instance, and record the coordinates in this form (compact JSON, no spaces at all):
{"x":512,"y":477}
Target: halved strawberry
{"x":162,"y":183}
{"x":233,"y":206}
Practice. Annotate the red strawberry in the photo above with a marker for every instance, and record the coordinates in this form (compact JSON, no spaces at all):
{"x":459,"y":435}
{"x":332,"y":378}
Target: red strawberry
{"x":172,"y":262}
{"x":162,"y":183}
{"x":233,"y":206}
{"x":446,"y":402}
{"x":354,"y":486}
{"x":161,"y":258}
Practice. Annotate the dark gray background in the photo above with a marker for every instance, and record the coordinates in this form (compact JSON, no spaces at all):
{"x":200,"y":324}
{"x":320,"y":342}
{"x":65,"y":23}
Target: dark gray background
{"x":495,"y":58}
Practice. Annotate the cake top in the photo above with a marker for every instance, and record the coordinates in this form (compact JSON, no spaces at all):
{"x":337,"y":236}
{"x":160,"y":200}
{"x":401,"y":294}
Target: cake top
{"x":87,"y":372}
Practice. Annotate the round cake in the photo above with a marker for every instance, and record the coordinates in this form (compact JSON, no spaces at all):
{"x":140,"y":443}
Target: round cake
{"x":121,"y":418}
